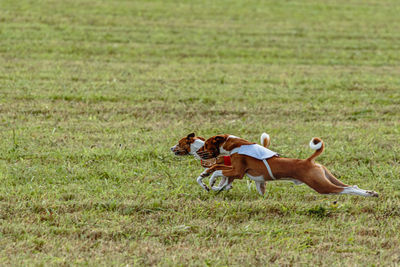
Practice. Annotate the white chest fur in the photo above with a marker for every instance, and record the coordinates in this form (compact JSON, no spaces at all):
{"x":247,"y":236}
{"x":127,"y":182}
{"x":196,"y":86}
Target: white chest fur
{"x":195,"y":146}
{"x":223,"y":152}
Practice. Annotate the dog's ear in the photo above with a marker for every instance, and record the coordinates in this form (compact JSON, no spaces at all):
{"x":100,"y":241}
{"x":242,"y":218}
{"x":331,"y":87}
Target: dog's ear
{"x":219,"y":139}
{"x":190,"y":136}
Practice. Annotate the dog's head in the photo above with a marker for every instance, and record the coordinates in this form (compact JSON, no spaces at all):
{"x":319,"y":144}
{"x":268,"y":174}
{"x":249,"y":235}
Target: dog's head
{"x":212,"y":147}
{"x":188,"y":145}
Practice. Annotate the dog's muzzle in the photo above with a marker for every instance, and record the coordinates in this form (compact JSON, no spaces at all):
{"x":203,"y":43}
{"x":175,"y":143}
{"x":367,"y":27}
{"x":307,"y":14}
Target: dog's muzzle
{"x":178,"y":152}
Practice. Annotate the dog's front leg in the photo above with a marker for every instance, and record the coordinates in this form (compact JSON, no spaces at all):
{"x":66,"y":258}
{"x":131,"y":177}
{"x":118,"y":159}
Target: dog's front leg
{"x":226,"y":186}
{"x":214,"y":178}
{"x":232,"y":174}
{"x":199,"y":179}
{"x":209,"y":171}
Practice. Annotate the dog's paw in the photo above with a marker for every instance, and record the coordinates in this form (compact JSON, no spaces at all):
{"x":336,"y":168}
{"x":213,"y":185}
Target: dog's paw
{"x":373,"y":193}
{"x":204,"y":174}
{"x":212,"y":183}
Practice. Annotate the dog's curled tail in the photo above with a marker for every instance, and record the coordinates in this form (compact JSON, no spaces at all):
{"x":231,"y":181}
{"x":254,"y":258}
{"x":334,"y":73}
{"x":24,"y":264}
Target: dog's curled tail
{"x":317,"y":145}
{"x":265,"y":140}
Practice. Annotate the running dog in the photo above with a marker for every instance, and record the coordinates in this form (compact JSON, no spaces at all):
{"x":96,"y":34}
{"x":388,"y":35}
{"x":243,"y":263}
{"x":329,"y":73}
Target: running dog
{"x":191,"y":144}
{"x":262,"y":165}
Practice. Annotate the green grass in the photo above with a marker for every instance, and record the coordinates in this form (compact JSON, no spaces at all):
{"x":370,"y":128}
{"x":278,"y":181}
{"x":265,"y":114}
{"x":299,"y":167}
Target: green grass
{"x":93,"y":94}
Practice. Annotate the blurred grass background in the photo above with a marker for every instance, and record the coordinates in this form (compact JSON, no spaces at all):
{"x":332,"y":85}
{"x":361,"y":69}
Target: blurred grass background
{"x":93,"y":94}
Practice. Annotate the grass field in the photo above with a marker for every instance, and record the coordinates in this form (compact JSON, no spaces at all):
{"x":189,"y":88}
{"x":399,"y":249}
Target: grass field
{"x":93,"y":94}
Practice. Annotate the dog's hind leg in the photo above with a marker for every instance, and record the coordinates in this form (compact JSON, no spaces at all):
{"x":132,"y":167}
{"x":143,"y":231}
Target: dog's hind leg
{"x":316,"y":179}
{"x":332,"y":178}
{"x":260,"y":188}
{"x":354,"y":190}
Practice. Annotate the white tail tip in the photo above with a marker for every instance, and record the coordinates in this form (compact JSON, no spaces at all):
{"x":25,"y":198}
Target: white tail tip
{"x":315,"y":146}
{"x":264,"y":136}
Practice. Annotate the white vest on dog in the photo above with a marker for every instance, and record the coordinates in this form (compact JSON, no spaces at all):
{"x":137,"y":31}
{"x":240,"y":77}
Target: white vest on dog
{"x":257,"y":152}
{"x":254,"y":151}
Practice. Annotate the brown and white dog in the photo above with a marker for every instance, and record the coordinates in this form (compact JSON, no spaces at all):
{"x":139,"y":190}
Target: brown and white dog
{"x":306,"y":171}
{"x":191,"y":144}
